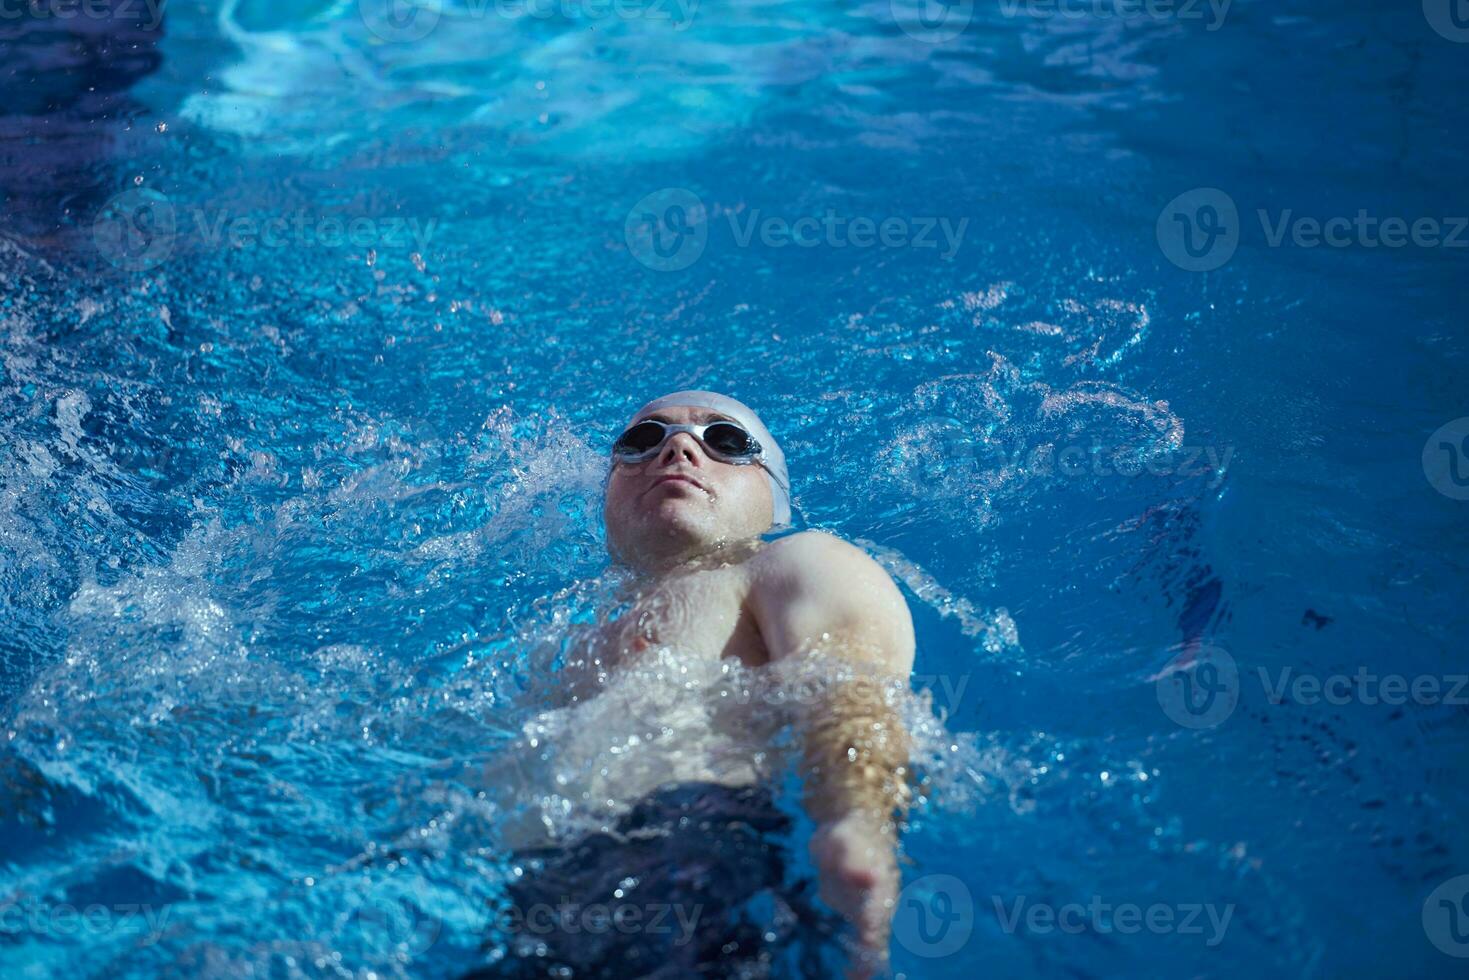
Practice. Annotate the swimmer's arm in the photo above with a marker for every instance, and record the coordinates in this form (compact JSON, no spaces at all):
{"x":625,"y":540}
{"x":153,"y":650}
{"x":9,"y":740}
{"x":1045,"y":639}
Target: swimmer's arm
{"x":820,"y":595}
{"x":817,"y":596}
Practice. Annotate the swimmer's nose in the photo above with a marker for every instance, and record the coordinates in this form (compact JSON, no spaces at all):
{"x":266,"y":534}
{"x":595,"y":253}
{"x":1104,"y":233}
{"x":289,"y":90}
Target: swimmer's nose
{"x":681,"y":447}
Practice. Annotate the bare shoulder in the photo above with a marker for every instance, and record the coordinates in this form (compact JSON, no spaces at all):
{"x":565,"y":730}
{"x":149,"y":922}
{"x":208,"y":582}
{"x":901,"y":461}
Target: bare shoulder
{"x":813,"y":585}
{"x":813,"y":558}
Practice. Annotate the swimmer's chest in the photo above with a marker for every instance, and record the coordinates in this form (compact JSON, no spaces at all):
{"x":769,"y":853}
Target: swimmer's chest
{"x":704,"y":613}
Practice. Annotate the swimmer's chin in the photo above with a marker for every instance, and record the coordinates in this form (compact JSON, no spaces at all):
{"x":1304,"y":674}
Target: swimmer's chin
{"x":677,"y":502}
{"x":682,"y":518}
{"x":671,"y":530}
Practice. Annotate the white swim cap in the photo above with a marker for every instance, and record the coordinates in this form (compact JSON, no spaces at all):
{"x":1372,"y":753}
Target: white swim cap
{"x":773,"y":461}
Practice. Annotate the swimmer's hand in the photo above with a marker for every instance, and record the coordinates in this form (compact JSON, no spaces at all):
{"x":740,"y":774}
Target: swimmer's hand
{"x":858,"y":870}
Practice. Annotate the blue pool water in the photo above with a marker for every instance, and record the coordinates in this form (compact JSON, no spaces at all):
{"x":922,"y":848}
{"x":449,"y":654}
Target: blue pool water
{"x":314,"y":331}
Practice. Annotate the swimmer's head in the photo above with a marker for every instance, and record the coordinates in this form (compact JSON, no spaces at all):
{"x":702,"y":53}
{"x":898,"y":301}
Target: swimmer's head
{"x":691,"y":471}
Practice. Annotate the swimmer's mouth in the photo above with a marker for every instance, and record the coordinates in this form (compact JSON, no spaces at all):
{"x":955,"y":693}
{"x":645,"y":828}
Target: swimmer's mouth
{"x":680,"y":478}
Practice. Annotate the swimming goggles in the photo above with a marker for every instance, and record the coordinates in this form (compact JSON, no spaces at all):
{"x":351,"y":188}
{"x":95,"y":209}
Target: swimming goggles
{"x":726,"y":441}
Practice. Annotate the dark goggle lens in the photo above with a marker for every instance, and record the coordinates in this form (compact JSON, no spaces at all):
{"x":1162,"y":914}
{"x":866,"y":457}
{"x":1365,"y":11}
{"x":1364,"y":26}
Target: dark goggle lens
{"x":640,"y":438}
{"x":728,"y":439}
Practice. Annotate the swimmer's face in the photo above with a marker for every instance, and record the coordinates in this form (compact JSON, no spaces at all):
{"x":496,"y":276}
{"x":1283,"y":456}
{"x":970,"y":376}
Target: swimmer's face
{"x":683,"y":502}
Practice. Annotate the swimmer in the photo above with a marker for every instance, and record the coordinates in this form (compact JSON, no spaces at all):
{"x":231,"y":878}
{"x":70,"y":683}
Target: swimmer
{"x":696,"y":479}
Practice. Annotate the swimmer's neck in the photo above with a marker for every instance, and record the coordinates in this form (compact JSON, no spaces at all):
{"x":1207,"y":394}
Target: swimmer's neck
{"x":651,"y":569}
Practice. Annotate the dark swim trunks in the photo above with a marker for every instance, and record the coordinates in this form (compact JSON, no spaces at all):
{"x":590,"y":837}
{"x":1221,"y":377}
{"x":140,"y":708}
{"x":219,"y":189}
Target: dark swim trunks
{"x":692,"y":883}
